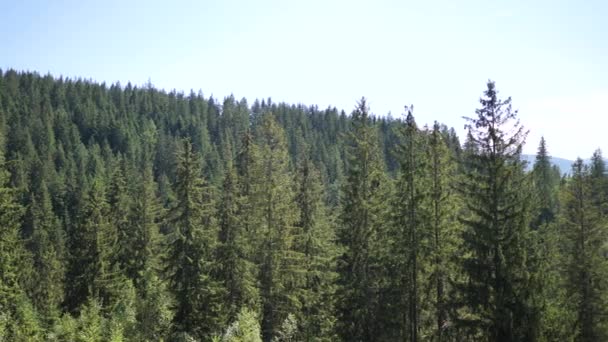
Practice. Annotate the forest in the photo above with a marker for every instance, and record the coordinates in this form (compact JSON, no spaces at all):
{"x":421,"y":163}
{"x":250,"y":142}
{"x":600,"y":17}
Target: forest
{"x":131,"y":213}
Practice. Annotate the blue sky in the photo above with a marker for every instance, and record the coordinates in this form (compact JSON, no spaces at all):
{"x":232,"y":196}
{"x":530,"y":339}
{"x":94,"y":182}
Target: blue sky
{"x":550,"y":56}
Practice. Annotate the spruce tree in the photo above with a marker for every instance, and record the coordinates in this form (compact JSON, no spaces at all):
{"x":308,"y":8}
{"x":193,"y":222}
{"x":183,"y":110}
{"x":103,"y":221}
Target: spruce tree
{"x":144,"y":214}
{"x":274,"y":206}
{"x":443,"y":227}
{"x":118,"y":214}
{"x":315,"y":240}
{"x":188,"y":262}
{"x":584,"y":234}
{"x":361,"y":215}
{"x":48,"y":246}
{"x":18,"y":320}
{"x":544,"y":251}
{"x":495,"y":194}
{"x":235,"y":271}
{"x":410,"y":215}
{"x":546,"y":182}
{"x":599,"y":178}
{"x":92,"y":273}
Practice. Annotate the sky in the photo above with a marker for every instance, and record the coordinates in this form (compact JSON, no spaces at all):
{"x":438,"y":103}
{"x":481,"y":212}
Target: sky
{"x":551,"y":57}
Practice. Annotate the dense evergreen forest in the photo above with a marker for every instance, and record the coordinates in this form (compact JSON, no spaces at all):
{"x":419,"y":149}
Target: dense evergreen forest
{"x":135,"y":214}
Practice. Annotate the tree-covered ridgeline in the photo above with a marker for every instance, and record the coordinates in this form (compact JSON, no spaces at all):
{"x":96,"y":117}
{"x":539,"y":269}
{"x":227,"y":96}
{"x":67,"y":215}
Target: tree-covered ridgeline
{"x":134,"y":214}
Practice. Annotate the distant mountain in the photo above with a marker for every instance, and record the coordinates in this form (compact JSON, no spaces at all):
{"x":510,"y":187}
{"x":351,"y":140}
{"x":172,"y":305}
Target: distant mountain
{"x":563,"y":164}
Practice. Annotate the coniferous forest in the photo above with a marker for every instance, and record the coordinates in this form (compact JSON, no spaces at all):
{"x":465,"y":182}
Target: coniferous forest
{"x":131,"y":213}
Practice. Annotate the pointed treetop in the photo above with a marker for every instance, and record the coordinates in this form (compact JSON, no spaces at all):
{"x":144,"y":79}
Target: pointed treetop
{"x":542,"y":156}
{"x":598,"y":165}
{"x":361,"y":112}
{"x":409,"y":119}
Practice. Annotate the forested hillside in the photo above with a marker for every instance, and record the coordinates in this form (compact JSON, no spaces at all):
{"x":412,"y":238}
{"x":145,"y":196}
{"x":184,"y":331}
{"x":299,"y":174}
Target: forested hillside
{"x":135,"y":214}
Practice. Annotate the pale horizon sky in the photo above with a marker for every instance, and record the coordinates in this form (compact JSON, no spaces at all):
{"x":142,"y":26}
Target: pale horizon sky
{"x":551,"y":57}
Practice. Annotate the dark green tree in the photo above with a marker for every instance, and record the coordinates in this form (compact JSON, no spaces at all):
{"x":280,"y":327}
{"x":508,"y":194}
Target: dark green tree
{"x":18,"y":320}
{"x":410,"y":215}
{"x":361,"y":216}
{"x":145,"y":212}
{"x":188,"y":262}
{"x":48,"y":247}
{"x":444,"y":230}
{"x":119,"y":204}
{"x":235,"y":270}
{"x":92,"y":273}
{"x":597,"y":170}
{"x":315,"y":240}
{"x":546,"y":182}
{"x":584,"y":234}
{"x":272,"y":199}
{"x":496,"y":196}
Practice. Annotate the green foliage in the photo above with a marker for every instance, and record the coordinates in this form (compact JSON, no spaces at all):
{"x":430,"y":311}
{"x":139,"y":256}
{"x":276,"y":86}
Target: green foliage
{"x":48,"y":245}
{"x":494,"y":188}
{"x":315,"y":240}
{"x":235,"y":270}
{"x":546,"y":181}
{"x":288,"y":330}
{"x":153,"y":311}
{"x":89,"y":326}
{"x":444,"y":231}
{"x":275,"y":215}
{"x":92,"y":272}
{"x":244,"y":329}
{"x":585,"y":265}
{"x":411,"y":238}
{"x":123,"y":218}
{"x":142,"y":242}
{"x":11,"y":246}
{"x":23,"y":325}
{"x":361,"y":220}
{"x":188,"y":263}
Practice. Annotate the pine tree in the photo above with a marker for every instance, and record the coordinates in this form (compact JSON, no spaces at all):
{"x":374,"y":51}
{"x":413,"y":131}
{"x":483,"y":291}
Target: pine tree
{"x":583,"y":229}
{"x":360,"y":218}
{"x":188,"y":262}
{"x":274,"y":206}
{"x":411,"y":227}
{"x":315,"y":240}
{"x":494,"y":190}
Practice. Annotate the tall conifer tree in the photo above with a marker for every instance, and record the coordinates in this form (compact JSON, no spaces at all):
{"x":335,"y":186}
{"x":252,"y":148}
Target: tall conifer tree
{"x":546,"y":182}
{"x":274,"y":205}
{"x":444,"y":228}
{"x":411,"y":226}
{"x":188,"y":262}
{"x":495,"y":192}
{"x":235,"y":270}
{"x":584,"y":232}
{"x":360,"y":220}
{"x":48,"y":243}
{"x":315,"y":240}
